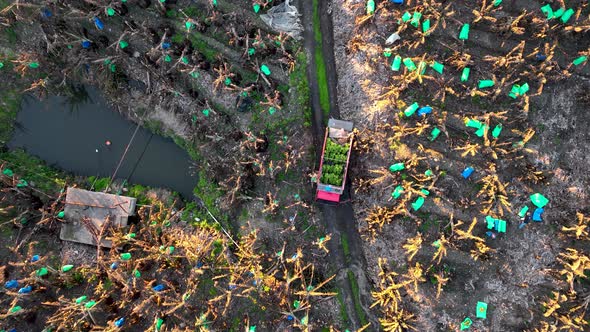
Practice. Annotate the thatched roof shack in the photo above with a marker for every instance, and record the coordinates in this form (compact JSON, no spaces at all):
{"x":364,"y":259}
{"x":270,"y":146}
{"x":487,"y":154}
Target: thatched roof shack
{"x":88,"y":212}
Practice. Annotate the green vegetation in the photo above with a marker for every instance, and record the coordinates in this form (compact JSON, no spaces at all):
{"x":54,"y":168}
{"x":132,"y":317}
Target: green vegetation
{"x":34,"y":171}
{"x":189,"y":148}
{"x":178,"y":38}
{"x":335,"y":157}
{"x":298,"y":80}
{"x":9,"y":103}
{"x":345,"y":247}
{"x":98,"y":184}
{"x":10,"y":35}
{"x":201,"y":45}
{"x":356,"y":298}
{"x":343,"y":314}
{"x":320,"y":63}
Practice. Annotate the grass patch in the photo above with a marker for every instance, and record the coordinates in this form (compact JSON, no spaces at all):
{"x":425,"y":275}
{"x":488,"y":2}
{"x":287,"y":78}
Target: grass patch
{"x":100,"y":184}
{"x":11,"y":36}
{"x":298,"y":80}
{"x":189,"y":148}
{"x":200,"y":45}
{"x":35,"y":171}
{"x":343,"y":314}
{"x":345,"y":247}
{"x":356,"y":296}
{"x":320,"y":63}
{"x":9,"y":104}
{"x":178,"y":38}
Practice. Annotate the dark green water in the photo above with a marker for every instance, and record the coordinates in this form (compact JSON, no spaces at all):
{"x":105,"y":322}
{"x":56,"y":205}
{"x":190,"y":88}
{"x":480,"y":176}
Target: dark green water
{"x":70,"y":134}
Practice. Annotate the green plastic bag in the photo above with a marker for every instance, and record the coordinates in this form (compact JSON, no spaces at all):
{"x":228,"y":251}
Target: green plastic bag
{"x":34,"y":65}
{"x":90,"y":304}
{"x":481,"y":310}
{"x":567,"y":15}
{"x":123,"y":44}
{"x":406,"y":17}
{"x":272,"y":110}
{"x":472,"y":123}
{"x":8,"y":172}
{"x":486,"y":84}
{"x":16,"y":309}
{"x":256,"y":8}
{"x":428,"y":173}
{"x":490,"y":222}
{"x":66,"y":268}
{"x":465,"y":74}
{"x":110,"y":11}
{"x":387,"y":52}
{"x":126,"y":256}
{"x":41,"y":272}
{"x":464,"y":34}
{"x":265,"y":70}
{"x":497,"y":3}
{"x":188,"y":25}
{"x":422,"y":67}
{"x":411,"y":109}
{"x":251,"y":51}
{"x":410,"y":64}
{"x":497,"y":130}
{"x":397,"y":62}
{"x":501,"y":226}
{"x":1,"y":65}
{"x":425,"y":192}
{"x":465,"y":324}
{"x":81,"y":299}
{"x":397,"y":167}
{"x":578,"y":61}
{"x":426,"y":27}
{"x":397,"y":192}
{"x":370,"y":7}
{"x":418,"y":203}
{"x":438,"y":67}
{"x":539,"y":200}
{"x":558,"y":13}
{"x":159,"y":324}
{"x":547,"y":11}
{"x":167,"y":58}
{"x":434,"y":133}
{"x":481,"y":131}
{"x":22,"y":183}
{"x":206,"y":112}
{"x":416,"y":19}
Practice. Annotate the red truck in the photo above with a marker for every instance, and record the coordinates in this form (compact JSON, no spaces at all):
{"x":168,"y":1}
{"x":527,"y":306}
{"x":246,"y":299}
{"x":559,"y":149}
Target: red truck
{"x":331,"y":177}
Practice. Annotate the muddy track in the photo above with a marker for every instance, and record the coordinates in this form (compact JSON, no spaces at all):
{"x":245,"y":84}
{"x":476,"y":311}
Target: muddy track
{"x":346,"y":253}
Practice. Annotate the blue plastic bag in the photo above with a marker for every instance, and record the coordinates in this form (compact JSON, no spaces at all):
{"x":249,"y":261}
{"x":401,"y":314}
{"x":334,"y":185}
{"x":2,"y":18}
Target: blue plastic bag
{"x":537,"y":214}
{"x":467,"y":172}
{"x":25,"y":290}
{"x":11,"y":284}
{"x":119,"y":322}
{"x":425,"y":110}
{"x":85,"y":44}
{"x":98,"y":23}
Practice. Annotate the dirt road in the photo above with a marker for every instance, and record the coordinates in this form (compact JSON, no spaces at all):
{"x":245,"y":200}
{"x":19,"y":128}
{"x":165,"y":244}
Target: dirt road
{"x":346,"y":251}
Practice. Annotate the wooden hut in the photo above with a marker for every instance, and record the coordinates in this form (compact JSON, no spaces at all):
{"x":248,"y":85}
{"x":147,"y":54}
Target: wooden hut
{"x":92,"y":215}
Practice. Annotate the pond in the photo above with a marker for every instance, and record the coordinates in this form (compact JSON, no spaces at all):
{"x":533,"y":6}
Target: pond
{"x":73,"y":134}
